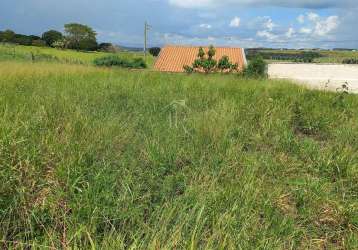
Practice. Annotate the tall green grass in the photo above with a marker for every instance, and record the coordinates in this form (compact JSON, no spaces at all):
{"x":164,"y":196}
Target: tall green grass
{"x":113,"y":159}
{"x":27,"y":53}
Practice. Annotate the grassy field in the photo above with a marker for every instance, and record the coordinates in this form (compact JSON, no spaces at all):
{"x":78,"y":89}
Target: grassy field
{"x":25,"y":53}
{"x":337,"y":56}
{"x":326,"y":56}
{"x":112,"y":159}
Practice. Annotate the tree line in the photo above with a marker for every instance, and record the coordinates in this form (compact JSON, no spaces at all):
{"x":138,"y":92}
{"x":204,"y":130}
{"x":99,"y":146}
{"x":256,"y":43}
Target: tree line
{"x":76,"y":36}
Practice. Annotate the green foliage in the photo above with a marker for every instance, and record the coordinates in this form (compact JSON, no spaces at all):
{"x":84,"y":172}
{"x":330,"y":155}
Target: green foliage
{"x":224,"y":65}
{"x":278,"y":55}
{"x":350,"y":61}
{"x":201,"y":53}
{"x":80,"y":37}
{"x":113,"y":60}
{"x":7,"y":36}
{"x":52,"y":36}
{"x":256,"y":68}
{"x":155,"y":51}
{"x":211,"y":52}
{"x":22,"y":40}
{"x":209,"y":65}
{"x":206,"y":63}
{"x":307,"y":57}
{"x":60,"y":44}
{"x":107,"y":47}
{"x":94,"y":158}
{"x":188,"y":69}
{"x":39,"y":43}
{"x":23,"y":53}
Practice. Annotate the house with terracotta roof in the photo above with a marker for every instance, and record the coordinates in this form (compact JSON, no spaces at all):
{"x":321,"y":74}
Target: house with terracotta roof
{"x":174,"y":58}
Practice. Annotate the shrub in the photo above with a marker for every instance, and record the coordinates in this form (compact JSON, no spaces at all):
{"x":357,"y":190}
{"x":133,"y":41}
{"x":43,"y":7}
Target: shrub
{"x":60,"y":44}
{"x":224,"y":65}
{"x":188,"y":69}
{"x":304,"y":56}
{"x":107,"y":47}
{"x":138,"y":63}
{"x":256,"y":68}
{"x":205,"y":62}
{"x":39,"y":43}
{"x":7,"y":36}
{"x":154,"y":51}
{"x":114,"y":60}
{"x":350,"y":61}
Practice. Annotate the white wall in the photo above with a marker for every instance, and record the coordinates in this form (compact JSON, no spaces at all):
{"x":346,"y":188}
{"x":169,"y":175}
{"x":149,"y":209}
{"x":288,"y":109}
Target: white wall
{"x":317,"y":75}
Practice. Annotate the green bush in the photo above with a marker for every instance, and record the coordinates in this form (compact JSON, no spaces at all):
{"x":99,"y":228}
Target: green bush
{"x":39,"y":43}
{"x":154,"y":51}
{"x":256,"y":68}
{"x":304,"y":56}
{"x":350,"y":61}
{"x":113,"y":60}
{"x":205,"y":62}
{"x":52,"y":36}
{"x":188,"y":69}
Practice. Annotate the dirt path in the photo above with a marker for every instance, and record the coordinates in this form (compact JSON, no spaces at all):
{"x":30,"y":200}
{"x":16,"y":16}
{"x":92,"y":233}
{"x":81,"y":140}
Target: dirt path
{"x":321,"y":76}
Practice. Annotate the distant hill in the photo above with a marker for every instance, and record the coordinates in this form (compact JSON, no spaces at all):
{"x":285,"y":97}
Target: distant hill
{"x":127,"y":48}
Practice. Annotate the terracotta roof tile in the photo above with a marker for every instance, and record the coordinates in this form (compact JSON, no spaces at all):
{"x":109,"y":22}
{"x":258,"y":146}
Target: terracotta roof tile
{"x":174,"y":58}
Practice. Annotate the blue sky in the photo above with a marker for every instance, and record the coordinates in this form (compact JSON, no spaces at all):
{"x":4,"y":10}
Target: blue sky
{"x":246,"y":23}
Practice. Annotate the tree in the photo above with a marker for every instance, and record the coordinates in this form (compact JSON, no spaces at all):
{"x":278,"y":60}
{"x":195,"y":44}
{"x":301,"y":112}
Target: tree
{"x":60,"y":44}
{"x":80,"y":37}
{"x":256,"y":68}
{"x":205,"y":62}
{"x":22,"y":39}
{"x":201,"y":53}
{"x":8,"y":36}
{"x":52,"y":36}
{"x":107,"y":47}
{"x":154,"y":51}
{"x":39,"y":43}
{"x":202,"y":63}
{"x":224,"y":65}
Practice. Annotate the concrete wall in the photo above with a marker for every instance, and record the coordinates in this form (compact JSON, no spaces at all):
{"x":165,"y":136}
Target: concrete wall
{"x":322,"y":76}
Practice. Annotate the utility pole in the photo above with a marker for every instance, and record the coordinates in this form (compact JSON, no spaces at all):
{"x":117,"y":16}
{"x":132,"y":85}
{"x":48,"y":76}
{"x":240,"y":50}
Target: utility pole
{"x":146,"y":29}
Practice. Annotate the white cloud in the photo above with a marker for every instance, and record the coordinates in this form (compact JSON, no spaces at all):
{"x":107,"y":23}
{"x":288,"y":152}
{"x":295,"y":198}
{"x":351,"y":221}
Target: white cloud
{"x":269,"y":24}
{"x":205,"y":26}
{"x":192,"y":3}
{"x":305,"y":31}
{"x":301,"y":18}
{"x":326,"y":26}
{"x":314,"y":17}
{"x":266,"y":34}
{"x":290,"y":33}
{"x":235,"y":22}
{"x":308,"y":4}
{"x":319,"y":26}
{"x":231,"y":41}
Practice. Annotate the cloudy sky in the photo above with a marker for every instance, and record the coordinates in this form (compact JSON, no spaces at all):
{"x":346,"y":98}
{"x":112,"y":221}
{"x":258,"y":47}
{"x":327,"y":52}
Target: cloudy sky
{"x":246,"y":23}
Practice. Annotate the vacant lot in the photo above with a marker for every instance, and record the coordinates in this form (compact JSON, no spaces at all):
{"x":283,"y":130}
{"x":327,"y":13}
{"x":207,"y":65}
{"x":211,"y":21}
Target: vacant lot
{"x":112,"y":159}
{"x":321,"y":76}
